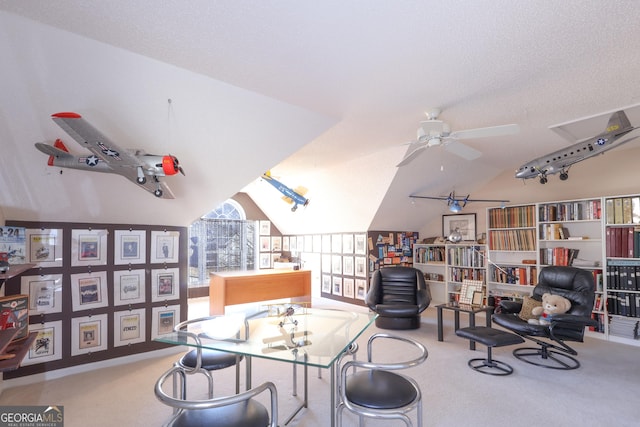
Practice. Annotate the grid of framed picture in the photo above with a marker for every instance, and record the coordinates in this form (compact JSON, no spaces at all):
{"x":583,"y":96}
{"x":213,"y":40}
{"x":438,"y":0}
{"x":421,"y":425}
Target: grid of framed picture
{"x":99,"y":290}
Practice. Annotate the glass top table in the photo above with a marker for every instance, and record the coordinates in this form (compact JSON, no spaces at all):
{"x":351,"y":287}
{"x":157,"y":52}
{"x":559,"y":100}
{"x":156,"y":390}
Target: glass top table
{"x":298,"y":335}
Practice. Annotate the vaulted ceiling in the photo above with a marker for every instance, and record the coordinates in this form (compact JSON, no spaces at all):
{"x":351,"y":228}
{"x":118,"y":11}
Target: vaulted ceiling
{"x":323,"y":93}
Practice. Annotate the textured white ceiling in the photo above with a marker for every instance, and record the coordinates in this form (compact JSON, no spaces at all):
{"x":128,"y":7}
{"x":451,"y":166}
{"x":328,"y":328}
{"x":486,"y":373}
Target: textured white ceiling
{"x":375,"y":66}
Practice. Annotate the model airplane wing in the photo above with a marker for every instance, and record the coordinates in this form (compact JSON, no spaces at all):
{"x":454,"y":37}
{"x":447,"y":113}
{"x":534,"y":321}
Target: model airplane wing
{"x":106,"y":156}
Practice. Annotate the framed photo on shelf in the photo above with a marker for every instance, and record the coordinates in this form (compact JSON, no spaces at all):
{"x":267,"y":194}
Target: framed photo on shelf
{"x":165,"y":284}
{"x":128,"y":287}
{"x":88,"y":334}
{"x":44,"y":247}
{"x":164,"y":246}
{"x":477,"y":298}
{"x":45,"y":293}
{"x":163,"y":320}
{"x":128,"y":327}
{"x":468,"y":290}
{"x":464,"y":223}
{"x":48,"y":344}
{"x":130,"y":247}
{"x":88,"y":247}
{"x":89,"y":290}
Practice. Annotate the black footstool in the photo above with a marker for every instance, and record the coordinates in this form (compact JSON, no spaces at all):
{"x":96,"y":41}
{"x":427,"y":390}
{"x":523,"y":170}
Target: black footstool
{"x":491,"y":338}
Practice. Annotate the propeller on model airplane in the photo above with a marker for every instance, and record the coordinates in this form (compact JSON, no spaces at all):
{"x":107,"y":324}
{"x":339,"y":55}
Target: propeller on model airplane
{"x":433,"y":132}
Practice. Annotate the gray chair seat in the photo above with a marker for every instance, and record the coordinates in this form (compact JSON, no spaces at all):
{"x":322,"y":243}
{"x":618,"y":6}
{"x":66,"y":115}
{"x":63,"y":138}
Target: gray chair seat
{"x":244,"y":414}
{"x":371,"y":389}
{"x":212,"y":360}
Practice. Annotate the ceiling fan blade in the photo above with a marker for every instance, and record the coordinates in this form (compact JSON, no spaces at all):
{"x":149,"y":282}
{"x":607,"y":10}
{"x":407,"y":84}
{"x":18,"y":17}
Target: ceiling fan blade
{"x":486,"y":132}
{"x":412,"y":154}
{"x":462,"y":150}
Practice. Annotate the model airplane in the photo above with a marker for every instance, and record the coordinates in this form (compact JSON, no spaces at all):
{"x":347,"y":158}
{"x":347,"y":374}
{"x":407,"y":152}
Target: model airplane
{"x":294,"y":197}
{"x":456,"y":204}
{"x":560,"y":161}
{"x":137,"y":166}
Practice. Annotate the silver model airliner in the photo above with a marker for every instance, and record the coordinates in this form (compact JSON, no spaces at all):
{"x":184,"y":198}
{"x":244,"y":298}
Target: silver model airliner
{"x":135,"y":165}
{"x":560,"y":161}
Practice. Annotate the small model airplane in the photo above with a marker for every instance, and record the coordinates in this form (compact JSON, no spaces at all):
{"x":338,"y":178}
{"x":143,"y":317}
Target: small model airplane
{"x":294,"y":197}
{"x":560,"y":161}
{"x":135,"y":165}
{"x":456,"y":204}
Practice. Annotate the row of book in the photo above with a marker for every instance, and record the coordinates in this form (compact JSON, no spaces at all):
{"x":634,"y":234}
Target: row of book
{"x":571,"y":211}
{"x":514,"y":275}
{"x":624,"y":327}
{"x":623,"y":210}
{"x":623,"y":277}
{"x":623,"y":241}
{"x":458,"y":274}
{"x":429,"y":254}
{"x":624,"y":304}
{"x":516,"y":216}
{"x":601,"y":322}
{"x":558,"y":256}
{"x":512,"y":240}
{"x":467,"y":256}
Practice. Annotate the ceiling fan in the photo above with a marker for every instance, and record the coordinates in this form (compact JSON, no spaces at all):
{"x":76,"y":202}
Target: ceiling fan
{"x":433,"y":132}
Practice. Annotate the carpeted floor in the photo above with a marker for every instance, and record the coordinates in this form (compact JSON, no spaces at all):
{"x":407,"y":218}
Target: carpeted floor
{"x":602,"y":391}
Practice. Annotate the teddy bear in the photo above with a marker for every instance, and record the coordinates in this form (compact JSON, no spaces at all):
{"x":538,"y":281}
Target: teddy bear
{"x":551,"y":304}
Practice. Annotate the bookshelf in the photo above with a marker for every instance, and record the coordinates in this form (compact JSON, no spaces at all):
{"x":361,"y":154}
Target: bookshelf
{"x":620,"y":311}
{"x":430,"y":259}
{"x":464,"y":261}
{"x":512,"y":252}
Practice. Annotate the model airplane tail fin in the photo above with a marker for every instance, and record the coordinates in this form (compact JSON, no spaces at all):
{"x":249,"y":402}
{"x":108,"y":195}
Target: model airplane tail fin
{"x":58,"y":149}
{"x":618,"y":121}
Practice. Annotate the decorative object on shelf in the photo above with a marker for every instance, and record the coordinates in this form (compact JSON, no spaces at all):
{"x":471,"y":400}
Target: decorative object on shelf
{"x":469,"y":287}
{"x":455,"y":236}
{"x":464,"y":223}
{"x":456,"y":204}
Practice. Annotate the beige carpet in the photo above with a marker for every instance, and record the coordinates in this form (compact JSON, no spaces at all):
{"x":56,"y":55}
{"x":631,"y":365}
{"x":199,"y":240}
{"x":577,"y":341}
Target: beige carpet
{"x":603,"y":391}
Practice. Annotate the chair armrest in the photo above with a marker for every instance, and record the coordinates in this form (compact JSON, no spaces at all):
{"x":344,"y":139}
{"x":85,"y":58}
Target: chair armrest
{"x":569,"y":319}
{"x":509,"y":306}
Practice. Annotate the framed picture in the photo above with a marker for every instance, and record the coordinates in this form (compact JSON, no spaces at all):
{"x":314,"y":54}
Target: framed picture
{"x":89,"y":290}
{"x":44,"y":247}
{"x":326,"y":283}
{"x":326,"y":243}
{"x":347,"y":265}
{"x":128,"y":287}
{"x":164,"y":246}
{"x":285,"y":243}
{"x":88,"y":334}
{"x":163,"y":320}
{"x":265,"y":260}
{"x":276,"y":243}
{"x":265,"y":228}
{"x":336,"y":264}
{"x":469,"y":287}
{"x":14,"y":312}
{"x":265,"y":244}
{"x":128,"y":327}
{"x":348,"y":287}
{"x":337,"y":285}
{"x":465,"y":223}
{"x":165,"y":284}
{"x":347,"y":243}
{"x":308,"y":244}
{"x":317,"y":243}
{"x":336,"y":243}
{"x":47,"y":345}
{"x":130,"y":247}
{"x":361,"y":288}
{"x":477,"y":298}
{"x":88,"y":247}
{"x":361,"y":266}
{"x":45,"y":293}
{"x":360,"y":244}
{"x":326,"y":263}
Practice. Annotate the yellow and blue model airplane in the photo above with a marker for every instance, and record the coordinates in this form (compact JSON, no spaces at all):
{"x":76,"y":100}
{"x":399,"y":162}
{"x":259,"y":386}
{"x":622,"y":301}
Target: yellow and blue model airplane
{"x":293,"y":197}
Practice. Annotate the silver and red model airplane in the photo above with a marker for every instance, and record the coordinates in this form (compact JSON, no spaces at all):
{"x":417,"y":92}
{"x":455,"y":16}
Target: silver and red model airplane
{"x":560,"y":161}
{"x":135,"y":165}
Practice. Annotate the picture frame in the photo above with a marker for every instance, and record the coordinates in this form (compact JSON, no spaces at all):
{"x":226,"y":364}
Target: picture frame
{"x":347,"y":243}
{"x":361,"y":288}
{"x":469,"y":287}
{"x":130,"y":247}
{"x":265,"y":260}
{"x":44,"y":247}
{"x":477,"y":298}
{"x":129,"y":287}
{"x":163,"y":319}
{"x":89,"y":290}
{"x":336,"y":285}
{"x":165,"y":284}
{"x":360,"y":244}
{"x":164,"y":246}
{"x":276,"y":243}
{"x":265,"y":228}
{"x":129,"y":327}
{"x":88,"y":247}
{"x":45,"y":293}
{"x":361,"y":266}
{"x":326,"y":283}
{"x":465,"y":223}
{"x":265,"y":244}
{"x":348,"y":287}
{"x":47,"y":345}
{"x":88,"y":334}
{"x":347,"y":265}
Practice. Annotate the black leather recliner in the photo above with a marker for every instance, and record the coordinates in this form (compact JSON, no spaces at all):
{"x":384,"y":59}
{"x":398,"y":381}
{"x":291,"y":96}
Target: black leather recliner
{"x":577,"y":286}
{"x":398,"y":295}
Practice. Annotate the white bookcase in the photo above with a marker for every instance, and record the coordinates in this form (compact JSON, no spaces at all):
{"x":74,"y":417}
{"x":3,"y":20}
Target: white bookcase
{"x":430,"y":259}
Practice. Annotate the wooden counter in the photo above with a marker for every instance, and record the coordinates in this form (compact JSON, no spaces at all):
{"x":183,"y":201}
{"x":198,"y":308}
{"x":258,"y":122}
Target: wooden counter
{"x":241,"y":287}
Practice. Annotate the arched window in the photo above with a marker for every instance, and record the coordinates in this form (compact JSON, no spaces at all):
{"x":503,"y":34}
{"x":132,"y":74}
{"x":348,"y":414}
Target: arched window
{"x":221,"y":240}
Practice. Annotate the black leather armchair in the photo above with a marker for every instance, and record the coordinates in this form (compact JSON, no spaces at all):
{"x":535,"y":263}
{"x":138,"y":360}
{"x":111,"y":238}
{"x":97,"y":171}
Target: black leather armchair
{"x":398,"y":295}
{"x":577,"y":286}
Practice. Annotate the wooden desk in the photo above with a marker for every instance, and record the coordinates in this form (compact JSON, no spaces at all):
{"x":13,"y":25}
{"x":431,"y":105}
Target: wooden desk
{"x":241,"y":287}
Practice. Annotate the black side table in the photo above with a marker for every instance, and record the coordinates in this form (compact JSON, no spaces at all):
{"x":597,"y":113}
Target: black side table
{"x":472,"y":310}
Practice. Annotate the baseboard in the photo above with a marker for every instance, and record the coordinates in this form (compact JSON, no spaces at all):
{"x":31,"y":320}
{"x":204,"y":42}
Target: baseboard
{"x":59,"y":373}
